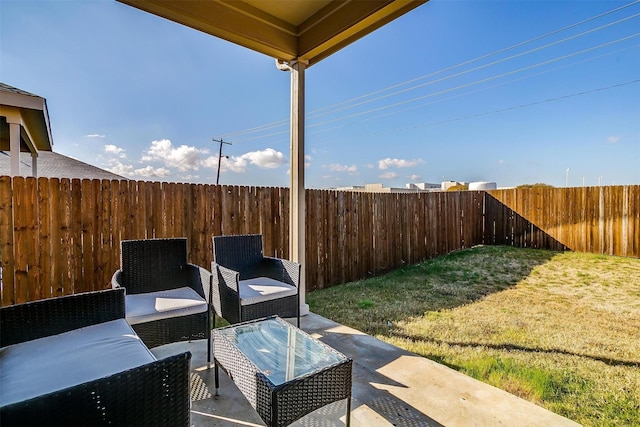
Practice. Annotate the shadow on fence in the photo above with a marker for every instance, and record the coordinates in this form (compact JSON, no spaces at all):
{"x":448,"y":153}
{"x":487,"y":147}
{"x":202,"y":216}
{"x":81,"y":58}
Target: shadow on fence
{"x":62,"y":236}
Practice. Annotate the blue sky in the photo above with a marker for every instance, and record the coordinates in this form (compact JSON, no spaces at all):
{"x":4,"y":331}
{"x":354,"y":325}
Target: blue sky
{"x":435,"y":94}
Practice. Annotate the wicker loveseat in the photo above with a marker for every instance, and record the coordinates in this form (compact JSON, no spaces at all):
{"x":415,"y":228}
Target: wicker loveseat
{"x":75,"y":361}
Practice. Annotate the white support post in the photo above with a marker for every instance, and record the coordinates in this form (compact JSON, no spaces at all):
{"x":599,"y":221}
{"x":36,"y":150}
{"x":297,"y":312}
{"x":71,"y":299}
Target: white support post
{"x":297,"y":195}
{"x":14,"y":148}
{"x":34,"y":164}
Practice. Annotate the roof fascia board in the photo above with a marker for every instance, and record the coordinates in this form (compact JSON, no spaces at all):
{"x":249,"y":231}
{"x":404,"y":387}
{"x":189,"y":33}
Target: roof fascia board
{"x":234,"y":22}
{"x":22,"y":101}
{"x":47,"y":122}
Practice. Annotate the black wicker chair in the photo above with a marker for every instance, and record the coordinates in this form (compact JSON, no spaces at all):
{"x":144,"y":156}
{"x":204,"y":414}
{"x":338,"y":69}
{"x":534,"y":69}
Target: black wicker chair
{"x":154,"y":393}
{"x":158,"y":268}
{"x":246,"y":285}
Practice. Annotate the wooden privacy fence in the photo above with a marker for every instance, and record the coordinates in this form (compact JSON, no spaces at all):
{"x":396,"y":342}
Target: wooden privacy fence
{"x":61,"y":236}
{"x":601,"y":220}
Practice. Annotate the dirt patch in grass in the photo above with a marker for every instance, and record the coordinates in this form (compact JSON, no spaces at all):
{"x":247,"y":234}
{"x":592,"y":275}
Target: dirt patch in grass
{"x":559,"y":329}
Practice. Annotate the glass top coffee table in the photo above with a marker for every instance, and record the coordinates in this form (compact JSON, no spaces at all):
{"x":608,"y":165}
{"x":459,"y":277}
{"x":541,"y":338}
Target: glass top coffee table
{"x":283,"y":372}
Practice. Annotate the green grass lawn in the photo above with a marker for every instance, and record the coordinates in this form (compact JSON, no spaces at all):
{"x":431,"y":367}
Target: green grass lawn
{"x":559,"y":329}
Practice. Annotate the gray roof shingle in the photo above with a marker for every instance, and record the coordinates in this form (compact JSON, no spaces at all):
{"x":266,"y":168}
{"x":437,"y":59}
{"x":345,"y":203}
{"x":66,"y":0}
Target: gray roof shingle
{"x":55,"y":165}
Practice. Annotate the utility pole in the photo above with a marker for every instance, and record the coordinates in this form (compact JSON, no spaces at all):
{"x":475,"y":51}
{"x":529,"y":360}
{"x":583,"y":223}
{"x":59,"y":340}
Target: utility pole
{"x":220,"y":156}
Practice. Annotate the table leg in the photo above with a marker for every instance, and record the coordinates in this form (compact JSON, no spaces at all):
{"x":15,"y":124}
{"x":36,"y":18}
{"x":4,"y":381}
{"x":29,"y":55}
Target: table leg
{"x":217,"y":376}
{"x":348,"y":423}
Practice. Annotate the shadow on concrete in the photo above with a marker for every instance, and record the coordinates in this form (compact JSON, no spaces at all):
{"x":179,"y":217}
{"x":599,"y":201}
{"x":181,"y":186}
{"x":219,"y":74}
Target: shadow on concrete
{"x":391,"y":387}
{"x":372,"y":402}
{"x":606,"y":360}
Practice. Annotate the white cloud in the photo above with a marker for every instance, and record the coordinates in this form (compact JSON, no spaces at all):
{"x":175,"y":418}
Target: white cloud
{"x":95,"y":135}
{"x":414,"y":177}
{"x":266,"y":159}
{"x":121,"y":169}
{"x":183,"y":158}
{"x":113,"y":149}
{"x":151,"y":172}
{"x":233,"y":164}
{"x":500,"y":162}
{"x":398,"y":163}
{"x":190,"y":177}
{"x":389,"y":175}
{"x":110,"y":148}
{"x":343,"y":168}
{"x":613,"y":139}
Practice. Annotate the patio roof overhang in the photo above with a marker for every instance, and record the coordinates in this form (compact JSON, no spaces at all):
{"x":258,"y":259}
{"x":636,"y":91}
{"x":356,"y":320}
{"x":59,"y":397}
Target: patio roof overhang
{"x":298,"y":34}
{"x":288,"y":30}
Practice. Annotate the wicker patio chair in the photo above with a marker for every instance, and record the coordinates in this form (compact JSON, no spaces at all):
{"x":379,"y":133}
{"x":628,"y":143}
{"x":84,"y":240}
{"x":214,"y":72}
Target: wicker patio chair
{"x":246,"y":285}
{"x":45,"y":383}
{"x":168,"y":299}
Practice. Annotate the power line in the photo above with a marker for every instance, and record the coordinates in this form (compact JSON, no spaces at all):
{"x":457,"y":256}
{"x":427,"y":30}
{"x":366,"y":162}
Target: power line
{"x":315,"y":112}
{"x":482,"y":57}
{"x":431,"y":95}
{"x":479,"y":81}
{"x":511,"y":108}
{"x":484,"y":66}
{"x":531,"y":104}
{"x":505,"y":83}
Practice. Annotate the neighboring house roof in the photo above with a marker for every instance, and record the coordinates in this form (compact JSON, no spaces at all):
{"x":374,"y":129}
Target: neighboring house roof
{"x":20,"y":106}
{"x":55,"y":165}
{"x":6,"y":88}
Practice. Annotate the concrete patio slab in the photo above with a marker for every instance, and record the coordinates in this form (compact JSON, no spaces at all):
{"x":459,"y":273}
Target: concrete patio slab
{"x":391,"y":387}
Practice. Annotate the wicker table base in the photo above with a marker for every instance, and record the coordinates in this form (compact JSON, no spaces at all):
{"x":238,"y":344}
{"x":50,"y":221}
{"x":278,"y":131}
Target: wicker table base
{"x":283,"y":372}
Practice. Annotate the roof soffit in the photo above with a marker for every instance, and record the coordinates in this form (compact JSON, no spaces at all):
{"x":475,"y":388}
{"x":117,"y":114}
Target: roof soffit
{"x":283,"y":29}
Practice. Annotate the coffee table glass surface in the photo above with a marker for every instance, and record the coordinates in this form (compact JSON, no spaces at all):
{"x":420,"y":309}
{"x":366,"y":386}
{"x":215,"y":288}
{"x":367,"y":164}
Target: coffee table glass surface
{"x":281,"y":352}
{"x":284,"y":372}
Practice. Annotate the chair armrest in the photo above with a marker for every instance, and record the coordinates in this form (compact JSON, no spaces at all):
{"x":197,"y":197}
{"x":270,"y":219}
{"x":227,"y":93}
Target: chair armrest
{"x":153,"y":394}
{"x":52,"y":316}
{"x":116,"y":279}
{"x":200,"y":281}
{"x":282,"y":270}
{"x":225,"y":295}
{"x":224,"y":276}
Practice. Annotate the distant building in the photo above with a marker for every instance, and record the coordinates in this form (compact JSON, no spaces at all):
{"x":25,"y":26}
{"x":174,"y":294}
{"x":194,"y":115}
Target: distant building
{"x":419,"y":187}
{"x":375,"y":188}
{"x":482,"y":185}
{"x":423,"y":186}
{"x":448,"y":184}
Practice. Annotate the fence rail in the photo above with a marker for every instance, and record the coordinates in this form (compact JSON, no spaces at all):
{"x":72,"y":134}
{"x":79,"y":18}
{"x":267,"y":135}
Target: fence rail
{"x":61,"y":236}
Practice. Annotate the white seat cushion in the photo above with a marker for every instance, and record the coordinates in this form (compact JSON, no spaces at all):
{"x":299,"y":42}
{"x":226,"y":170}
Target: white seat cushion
{"x":261,"y":289}
{"x":53,"y":363}
{"x":142,"y":308}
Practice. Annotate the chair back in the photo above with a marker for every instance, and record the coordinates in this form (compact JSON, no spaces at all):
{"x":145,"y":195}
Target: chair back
{"x":241,"y":253}
{"x":153,"y":265}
